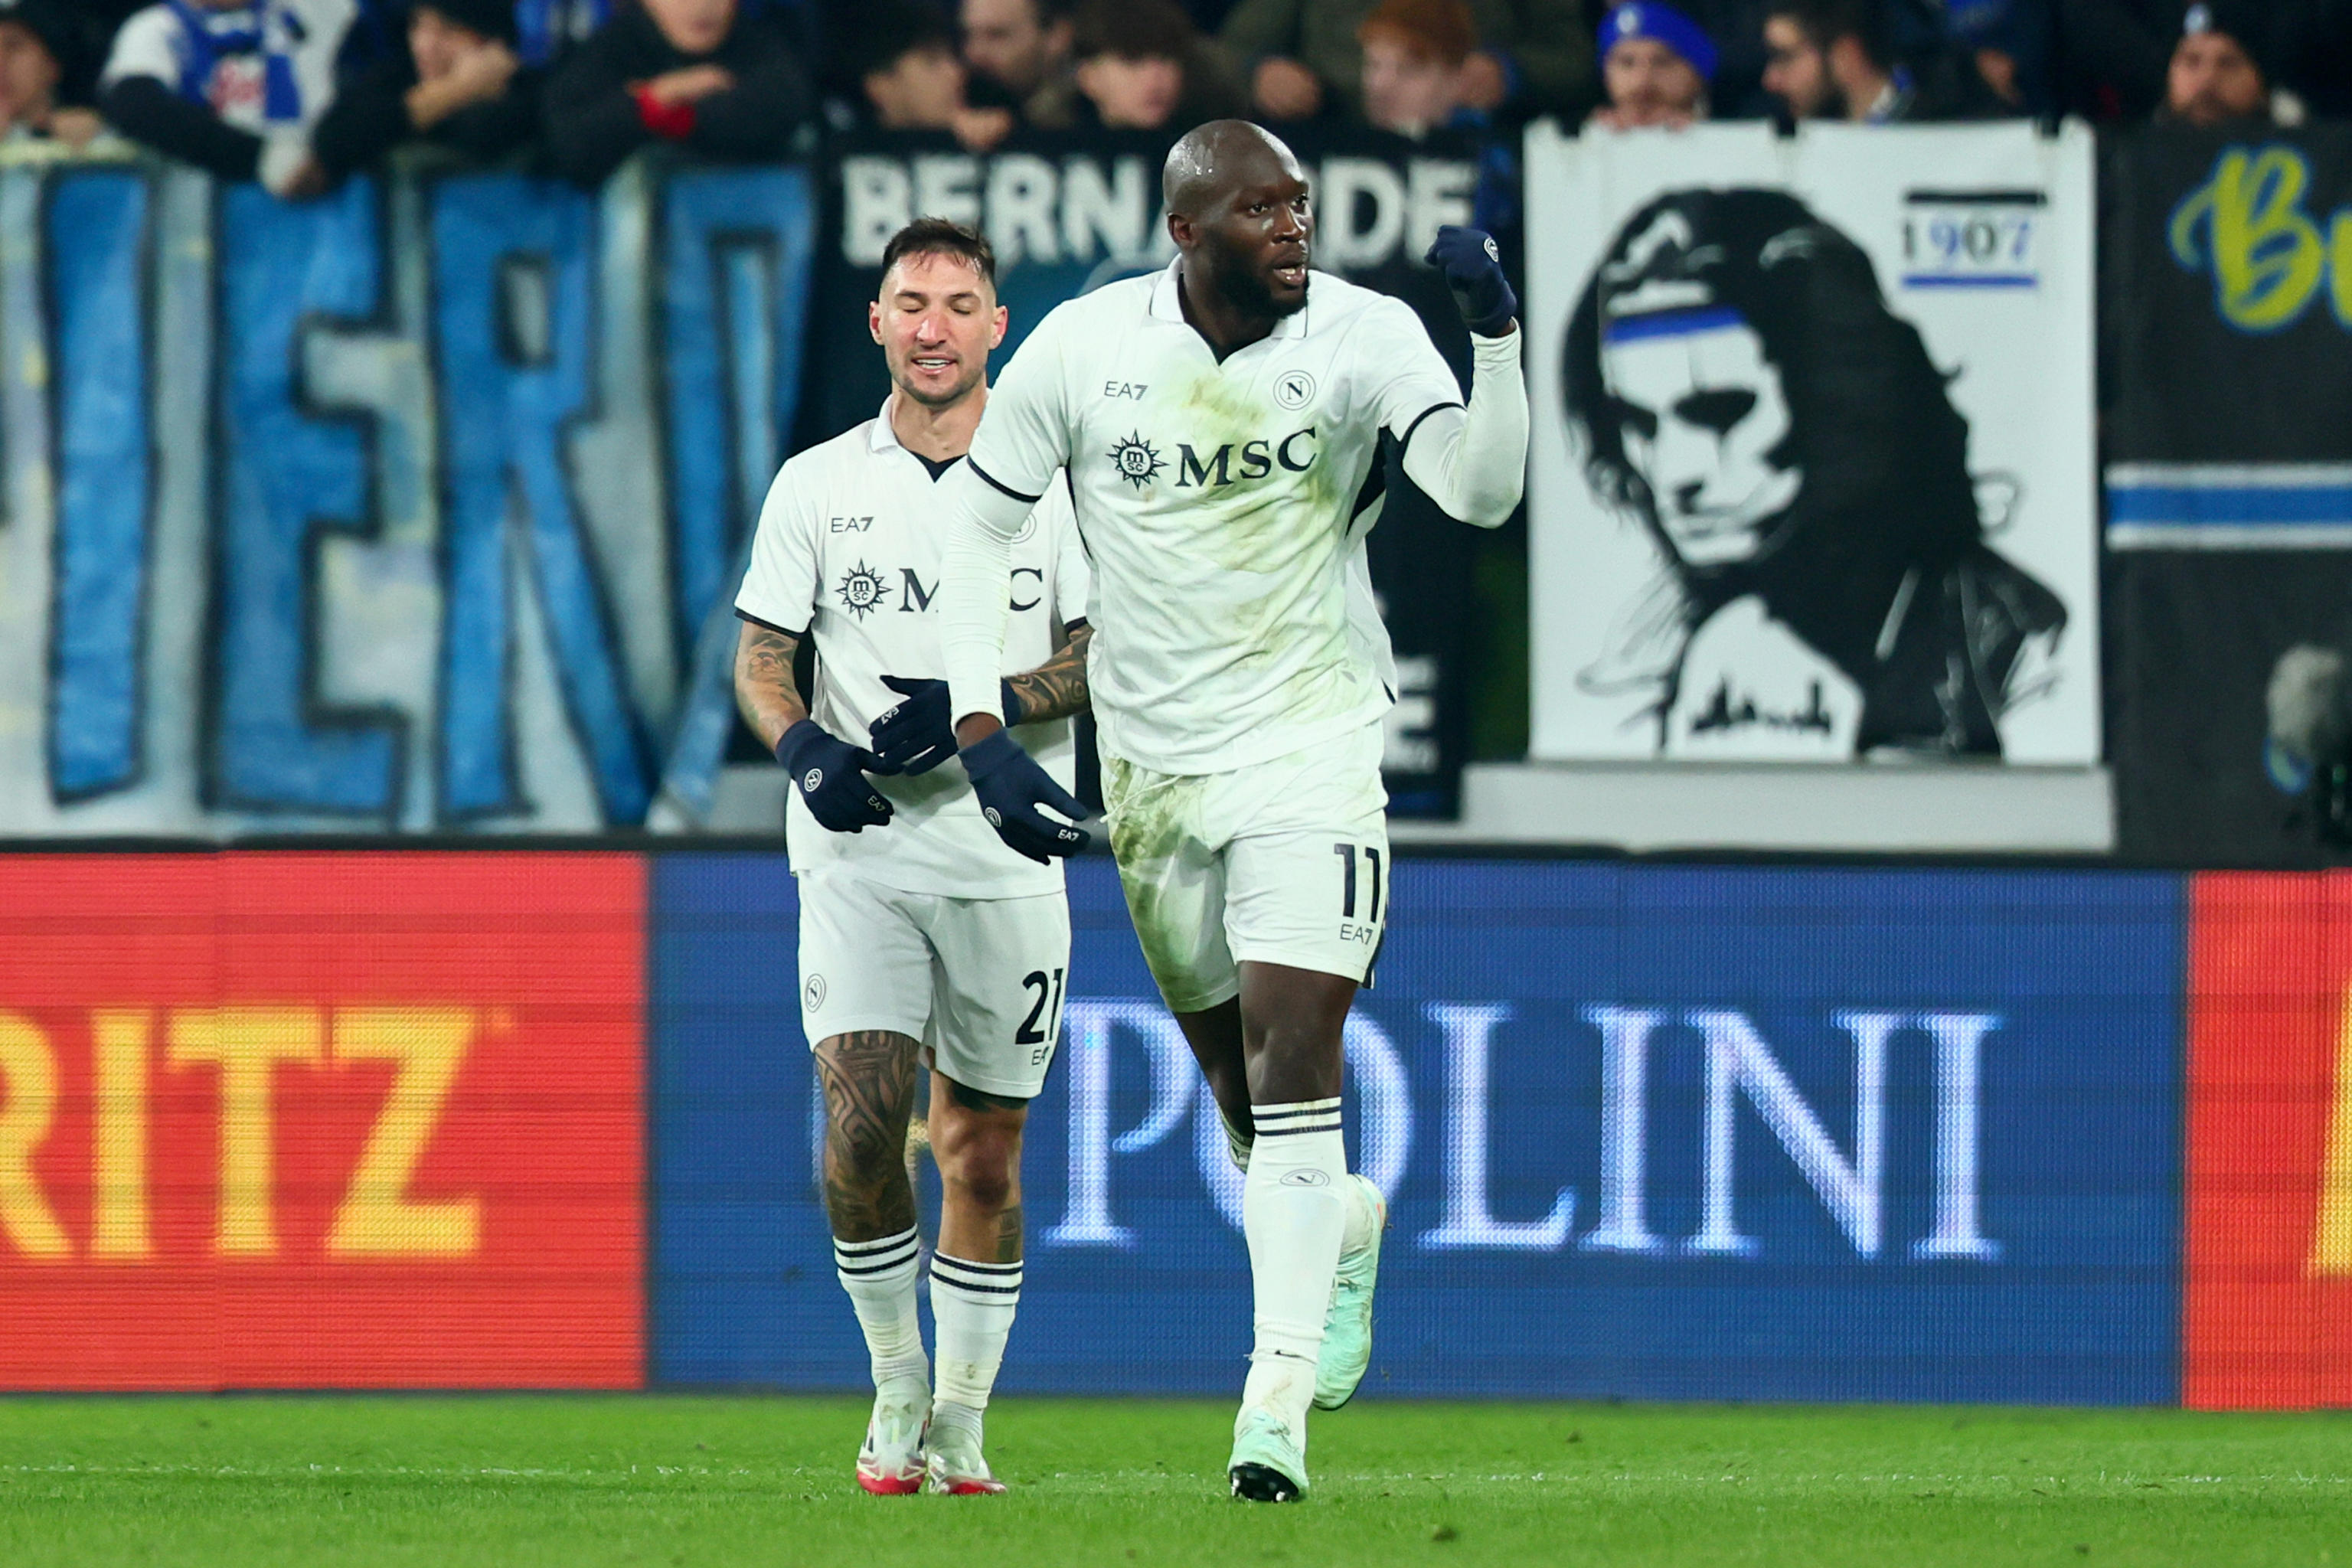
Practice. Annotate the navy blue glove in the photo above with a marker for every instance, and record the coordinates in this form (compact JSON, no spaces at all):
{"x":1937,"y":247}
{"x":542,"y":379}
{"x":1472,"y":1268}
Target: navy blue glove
{"x":1473,"y":270}
{"x":918,"y":734}
{"x":1010,"y":787}
{"x":830,"y":773}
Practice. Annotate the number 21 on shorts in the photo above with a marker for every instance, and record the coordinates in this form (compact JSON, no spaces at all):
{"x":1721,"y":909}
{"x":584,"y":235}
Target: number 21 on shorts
{"x":1043,"y":1026}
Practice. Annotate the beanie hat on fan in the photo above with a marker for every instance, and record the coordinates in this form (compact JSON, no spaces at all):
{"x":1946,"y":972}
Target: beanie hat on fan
{"x":493,"y":19}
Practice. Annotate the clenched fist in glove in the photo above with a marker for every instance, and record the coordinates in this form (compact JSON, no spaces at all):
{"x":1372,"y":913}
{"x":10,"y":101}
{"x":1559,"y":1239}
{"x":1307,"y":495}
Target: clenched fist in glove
{"x":1473,"y":270}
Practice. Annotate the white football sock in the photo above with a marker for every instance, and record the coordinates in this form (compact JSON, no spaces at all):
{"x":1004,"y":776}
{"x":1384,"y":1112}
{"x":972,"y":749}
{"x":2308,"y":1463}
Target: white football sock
{"x":972,"y":1306}
{"x":1292,"y":1213}
{"x":880,"y":1278}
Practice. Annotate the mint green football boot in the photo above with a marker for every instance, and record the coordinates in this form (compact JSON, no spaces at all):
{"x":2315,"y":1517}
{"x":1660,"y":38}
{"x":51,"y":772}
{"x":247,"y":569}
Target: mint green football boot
{"x":1270,"y":1462}
{"x":1348,"y":1322}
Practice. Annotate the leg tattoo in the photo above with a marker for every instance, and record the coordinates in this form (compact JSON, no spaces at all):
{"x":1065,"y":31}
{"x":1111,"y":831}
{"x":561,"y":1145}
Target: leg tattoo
{"x":869,"y":1091}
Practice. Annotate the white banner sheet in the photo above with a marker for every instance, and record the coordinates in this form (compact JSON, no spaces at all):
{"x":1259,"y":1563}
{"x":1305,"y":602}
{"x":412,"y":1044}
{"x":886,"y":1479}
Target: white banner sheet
{"x":1812,"y":471}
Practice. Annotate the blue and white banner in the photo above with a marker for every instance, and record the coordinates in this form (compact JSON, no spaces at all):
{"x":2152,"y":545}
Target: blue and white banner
{"x":397,"y":510}
{"x":1813,"y":469}
{"x":2229,"y":393}
{"x":2229,"y":506}
{"x":2228,"y":426}
{"x":1657,"y":1132}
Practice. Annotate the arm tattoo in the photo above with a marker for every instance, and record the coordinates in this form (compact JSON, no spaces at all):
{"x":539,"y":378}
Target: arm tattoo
{"x":1057,"y":688}
{"x":869,"y":1091}
{"x":769,"y":699}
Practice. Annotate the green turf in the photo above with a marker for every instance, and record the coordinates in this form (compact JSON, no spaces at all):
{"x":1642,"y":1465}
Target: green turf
{"x":678,"y":1480}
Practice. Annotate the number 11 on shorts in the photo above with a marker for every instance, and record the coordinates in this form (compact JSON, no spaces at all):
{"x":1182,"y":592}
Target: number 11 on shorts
{"x":1354,"y":928}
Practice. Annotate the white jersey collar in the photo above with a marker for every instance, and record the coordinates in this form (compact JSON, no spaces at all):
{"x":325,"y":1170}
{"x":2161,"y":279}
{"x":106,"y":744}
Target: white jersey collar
{"x":882,"y":438}
{"x":1168,"y":305}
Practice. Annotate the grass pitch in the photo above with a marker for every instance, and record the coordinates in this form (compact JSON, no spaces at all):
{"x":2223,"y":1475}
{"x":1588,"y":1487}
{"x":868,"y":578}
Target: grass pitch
{"x":660,"y":1481}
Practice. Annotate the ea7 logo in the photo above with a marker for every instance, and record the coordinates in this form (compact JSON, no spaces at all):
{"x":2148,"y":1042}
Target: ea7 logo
{"x":1255,"y":460}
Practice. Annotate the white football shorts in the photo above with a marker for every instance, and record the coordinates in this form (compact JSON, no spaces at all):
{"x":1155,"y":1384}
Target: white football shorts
{"x":1283,"y":862}
{"x":979,"y":981}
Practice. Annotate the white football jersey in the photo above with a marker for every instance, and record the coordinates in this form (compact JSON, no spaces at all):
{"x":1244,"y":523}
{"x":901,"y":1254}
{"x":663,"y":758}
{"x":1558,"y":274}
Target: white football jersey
{"x":1224,"y":508}
{"x":848,"y":549}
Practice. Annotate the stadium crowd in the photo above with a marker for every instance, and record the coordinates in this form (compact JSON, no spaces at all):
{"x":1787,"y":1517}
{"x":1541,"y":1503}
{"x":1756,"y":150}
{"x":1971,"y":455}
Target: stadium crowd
{"x":300,"y":93}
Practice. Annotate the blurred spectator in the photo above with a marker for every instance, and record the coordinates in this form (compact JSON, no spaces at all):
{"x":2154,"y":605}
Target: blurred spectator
{"x":2008,"y":43}
{"x":1302,"y":57}
{"x":1140,"y":67}
{"x":1414,"y":54}
{"x":914,"y":80}
{"x":459,"y":84}
{"x":1655,"y":64}
{"x":2117,"y":56}
{"x":1534,"y":57}
{"x":231,"y":87}
{"x":1018,"y":52}
{"x":2214,"y":76}
{"x":1835,"y":59}
{"x":42,"y":75}
{"x":2114,"y":53}
{"x":1736,"y":29}
{"x":692,"y":72}
{"x":545,"y":29}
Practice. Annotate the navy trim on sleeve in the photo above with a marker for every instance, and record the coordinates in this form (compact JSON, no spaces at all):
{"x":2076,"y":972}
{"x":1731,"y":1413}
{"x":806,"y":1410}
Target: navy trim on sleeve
{"x":1406,"y":438}
{"x":743,"y":615}
{"x":1000,"y":485}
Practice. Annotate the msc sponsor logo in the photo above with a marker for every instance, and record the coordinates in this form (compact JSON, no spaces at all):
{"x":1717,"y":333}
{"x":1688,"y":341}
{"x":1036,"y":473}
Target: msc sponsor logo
{"x":1139,"y":463}
{"x":1230,"y":464}
{"x":862,"y":590}
{"x":865,"y":591}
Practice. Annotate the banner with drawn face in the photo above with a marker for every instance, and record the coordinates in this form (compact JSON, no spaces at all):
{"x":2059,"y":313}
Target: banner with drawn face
{"x":1812,"y":462}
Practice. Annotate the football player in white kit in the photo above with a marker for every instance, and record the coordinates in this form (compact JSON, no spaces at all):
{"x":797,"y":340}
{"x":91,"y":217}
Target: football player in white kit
{"x":926,"y":938}
{"x":1219,"y":423}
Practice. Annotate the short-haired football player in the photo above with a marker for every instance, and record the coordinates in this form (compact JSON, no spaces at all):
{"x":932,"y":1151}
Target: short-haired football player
{"x":1220,"y":422}
{"x":923,"y":938}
